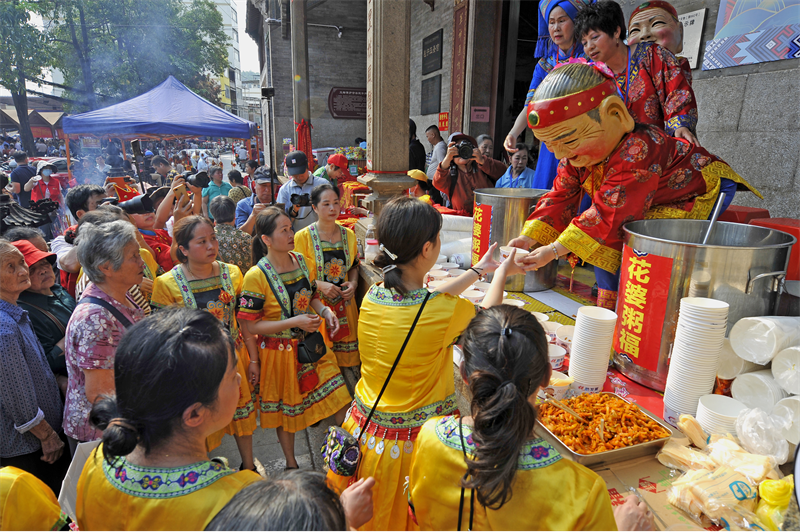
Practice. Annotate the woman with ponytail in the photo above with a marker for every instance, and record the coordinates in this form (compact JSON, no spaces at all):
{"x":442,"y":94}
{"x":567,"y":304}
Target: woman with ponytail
{"x":176,"y":384}
{"x":488,"y":471}
{"x":279,"y":307}
{"x":421,"y":386}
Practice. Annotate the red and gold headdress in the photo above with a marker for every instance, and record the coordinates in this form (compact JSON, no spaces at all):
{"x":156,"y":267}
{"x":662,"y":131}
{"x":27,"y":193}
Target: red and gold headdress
{"x":654,"y":4}
{"x":548,"y":111}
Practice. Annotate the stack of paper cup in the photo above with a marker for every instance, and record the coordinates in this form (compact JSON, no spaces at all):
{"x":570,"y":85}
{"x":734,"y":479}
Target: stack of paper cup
{"x":732,"y":365}
{"x":699,"y":284}
{"x":760,"y":338}
{"x":789,"y":409}
{"x":717,"y":414}
{"x":695,"y":355}
{"x":758,"y":390}
{"x":591,"y":345}
{"x":786,"y":369}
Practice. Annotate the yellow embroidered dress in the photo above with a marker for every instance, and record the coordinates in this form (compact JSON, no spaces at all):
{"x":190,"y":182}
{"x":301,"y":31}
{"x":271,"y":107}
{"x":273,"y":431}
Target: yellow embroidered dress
{"x":421,"y":388}
{"x":130,"y":497}
{"x":219,"y":296}
{"x":27,"y":503}
{"x":333,"y":262}
{"x":548,"y":492}
{"x":291,"y":395}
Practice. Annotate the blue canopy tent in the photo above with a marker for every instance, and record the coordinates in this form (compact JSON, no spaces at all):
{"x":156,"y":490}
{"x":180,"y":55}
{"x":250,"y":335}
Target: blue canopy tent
{"x":168,"y":110}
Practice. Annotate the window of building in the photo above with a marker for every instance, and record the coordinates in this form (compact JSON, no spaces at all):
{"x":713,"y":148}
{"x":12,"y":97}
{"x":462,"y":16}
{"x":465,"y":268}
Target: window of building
{"x":232,"y":75}
{"x":236,"y":35}
{"x":236,"y":54}
{"x":235,"y":16}
{"x":227,"y":92}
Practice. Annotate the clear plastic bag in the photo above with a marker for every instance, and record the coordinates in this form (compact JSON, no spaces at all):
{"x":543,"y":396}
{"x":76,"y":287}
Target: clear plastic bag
{"x":760,"y":434}
{"x":759,"y":339}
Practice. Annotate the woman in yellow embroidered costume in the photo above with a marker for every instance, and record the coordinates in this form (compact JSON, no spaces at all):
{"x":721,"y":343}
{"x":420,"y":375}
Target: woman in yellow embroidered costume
{"x":422,"y":385}
{"x":200,"y":281}
{"x":27,"y":503}
{"x":520,"y":481}
{"x":331,"y":250}
{"x":176,"y":384}
{"x":281,"y":305}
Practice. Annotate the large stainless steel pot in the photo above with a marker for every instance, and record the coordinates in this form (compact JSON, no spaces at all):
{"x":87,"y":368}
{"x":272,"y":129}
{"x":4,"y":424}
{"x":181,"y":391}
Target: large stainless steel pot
{"x":510,"y":208}
{"x":743,"y":265}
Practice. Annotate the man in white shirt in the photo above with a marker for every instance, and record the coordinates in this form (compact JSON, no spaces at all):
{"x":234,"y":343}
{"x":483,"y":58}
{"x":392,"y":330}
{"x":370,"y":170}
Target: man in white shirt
{"x":296,"y":193}
{"x":242,"y":152}
{"x":202,"y":163}
{"x":439,"y":149}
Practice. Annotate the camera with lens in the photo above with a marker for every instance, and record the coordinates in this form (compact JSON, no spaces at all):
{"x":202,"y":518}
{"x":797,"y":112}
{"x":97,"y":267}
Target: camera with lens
{"x":301,"y":200}
{"x":137,"y":205}
{"x":465,"y":149}
{"x":199,"y":180}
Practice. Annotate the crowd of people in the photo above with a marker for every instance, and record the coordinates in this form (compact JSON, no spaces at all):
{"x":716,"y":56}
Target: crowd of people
{"x":189,"y":310}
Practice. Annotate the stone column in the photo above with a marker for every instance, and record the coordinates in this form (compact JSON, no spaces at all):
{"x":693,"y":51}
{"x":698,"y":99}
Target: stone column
{"x":300,"y":92}
{"x":388,"y":57}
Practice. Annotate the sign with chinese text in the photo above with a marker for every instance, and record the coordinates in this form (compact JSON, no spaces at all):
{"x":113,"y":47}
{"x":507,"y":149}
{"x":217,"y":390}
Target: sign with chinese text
{"x":479,"y":114}
{"x":90,"y":142}
{"x":481,"y":231}
{"x":692,"y":35}
{"x":431,"y":96}
{"x":348,"y":102}
{"x":432,"y":52}
{"x":641,"y":306}
{"x":444,"y":121}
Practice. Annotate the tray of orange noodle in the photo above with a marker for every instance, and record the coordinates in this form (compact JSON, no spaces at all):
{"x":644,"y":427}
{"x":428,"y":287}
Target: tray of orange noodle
{"x":616,"y":430}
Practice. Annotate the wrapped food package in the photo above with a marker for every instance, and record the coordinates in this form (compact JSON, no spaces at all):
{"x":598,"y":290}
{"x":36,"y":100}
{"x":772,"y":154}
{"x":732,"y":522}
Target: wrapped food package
{"x":676,"y":456}
{"x":681,"y":496}
{"x":755,"y":467}
{"x":691,"y":427}
{"x":723,"y":487}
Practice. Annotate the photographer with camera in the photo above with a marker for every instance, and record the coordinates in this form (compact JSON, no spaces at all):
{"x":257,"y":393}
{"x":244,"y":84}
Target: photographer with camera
{"x":472,"y":170}
{"x":296,"y":193}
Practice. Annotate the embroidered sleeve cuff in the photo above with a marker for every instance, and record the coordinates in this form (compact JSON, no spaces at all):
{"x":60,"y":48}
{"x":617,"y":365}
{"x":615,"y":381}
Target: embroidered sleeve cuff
{"x":540,"y":231}
{"x":22,"y":429}
{"x":529,"y":96}
{"x":248,"y":316}
{"x":680,"y":121}
{"x":589,"y":249}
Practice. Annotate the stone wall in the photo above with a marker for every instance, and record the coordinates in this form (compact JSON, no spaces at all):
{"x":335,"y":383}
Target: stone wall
{"x":750,"y":116}
{"x":333,"y":62}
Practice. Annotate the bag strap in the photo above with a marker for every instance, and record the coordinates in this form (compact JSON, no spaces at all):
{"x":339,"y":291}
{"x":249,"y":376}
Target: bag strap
{"x":109,"y":307}
{"x":286,"y":312}
{"x":46,"y":313}
{"x":397,"y":360}
{"x":471,"y":491}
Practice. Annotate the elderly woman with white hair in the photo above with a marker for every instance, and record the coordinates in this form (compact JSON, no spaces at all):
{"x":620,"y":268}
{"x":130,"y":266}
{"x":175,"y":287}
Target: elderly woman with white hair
{"x":109,"y":255}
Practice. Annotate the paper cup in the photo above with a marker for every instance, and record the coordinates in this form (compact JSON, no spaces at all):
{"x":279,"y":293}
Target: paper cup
{"x":505,"y":252}
{"x":580,"y":388}
{"x":434,"y":285}
{"x":482,"y":285}
{"x":454,"y":272}
{"x":542,"y":318}
{"x":556,"y":354}
{"x":442,"y":259}
{"x":437,"y":275}
{"x":513,"y":302}
{"x":436,"y":266}
{"x":564,"y":336}
{"x":559,"y":384}
{"x":474,"y":296}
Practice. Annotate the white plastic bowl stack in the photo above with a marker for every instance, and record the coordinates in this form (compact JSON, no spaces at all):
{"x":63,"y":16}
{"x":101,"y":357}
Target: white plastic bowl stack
{"x":789,"y":408}
{"x":695,"y":355}
{"x":786,"y":369}
{"x":758,"y":390}
{"x":732,"y":365}
{"x":717,"y":414}
{"x":591,"y":347}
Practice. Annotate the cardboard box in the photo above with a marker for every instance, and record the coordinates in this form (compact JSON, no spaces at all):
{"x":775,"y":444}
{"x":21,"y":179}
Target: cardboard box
{"x":652,"y":481}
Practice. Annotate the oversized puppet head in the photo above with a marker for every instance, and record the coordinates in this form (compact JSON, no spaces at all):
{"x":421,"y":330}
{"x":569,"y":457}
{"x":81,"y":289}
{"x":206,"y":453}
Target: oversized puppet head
{"x":656,"y":21}
{"x":578,"y":114}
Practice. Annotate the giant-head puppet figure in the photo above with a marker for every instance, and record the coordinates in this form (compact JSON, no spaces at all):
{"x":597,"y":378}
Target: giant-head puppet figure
{"x":578,"y":113}
{"x":656,"y":21}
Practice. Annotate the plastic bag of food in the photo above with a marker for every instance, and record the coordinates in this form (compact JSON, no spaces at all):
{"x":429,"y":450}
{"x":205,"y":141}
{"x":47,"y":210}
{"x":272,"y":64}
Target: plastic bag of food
{"x":676,"y":456}
{"x":691,"y":427}
{"x":761,"y":434}
{"x":680,"y":495}
{"x":759,"y":339}
{"x":726,"y":452}
{"x":775,"y":497}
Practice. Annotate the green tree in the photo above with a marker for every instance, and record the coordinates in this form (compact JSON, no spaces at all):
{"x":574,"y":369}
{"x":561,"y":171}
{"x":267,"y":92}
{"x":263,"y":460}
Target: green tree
{"x":122,"y":48}
{"x":25,"y":54}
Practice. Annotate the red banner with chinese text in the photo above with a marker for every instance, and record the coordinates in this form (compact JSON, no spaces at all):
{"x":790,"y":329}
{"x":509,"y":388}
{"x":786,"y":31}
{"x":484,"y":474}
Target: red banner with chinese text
{"x":481,"y":231}
{"x":641,"y":306}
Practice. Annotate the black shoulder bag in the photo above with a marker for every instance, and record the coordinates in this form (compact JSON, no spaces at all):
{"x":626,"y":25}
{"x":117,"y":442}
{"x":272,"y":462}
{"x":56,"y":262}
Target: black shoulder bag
{"x":109,"y":307}
{"x":471,"y":491}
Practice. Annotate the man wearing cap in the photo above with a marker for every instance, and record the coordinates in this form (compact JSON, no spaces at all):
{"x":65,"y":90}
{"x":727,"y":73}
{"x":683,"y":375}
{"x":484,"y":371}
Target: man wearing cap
{"x":248,"y":208}
{"x":336,"y":167}
{"x":296,"y":193}
{"x":459,"y":178}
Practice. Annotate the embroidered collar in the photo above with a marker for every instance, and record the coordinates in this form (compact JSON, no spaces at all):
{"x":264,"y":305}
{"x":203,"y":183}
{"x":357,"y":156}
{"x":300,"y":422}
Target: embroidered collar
{"x":385,"y":296}
{"x":319,"y":257}
{"x":535,"y":454}
{"x":189,"y":300}
{"x":162,"y":482}
{"x":276,"y":283}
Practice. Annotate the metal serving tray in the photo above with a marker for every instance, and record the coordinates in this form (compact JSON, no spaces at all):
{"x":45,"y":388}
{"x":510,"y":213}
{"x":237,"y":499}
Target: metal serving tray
{"x":604,"y":458}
